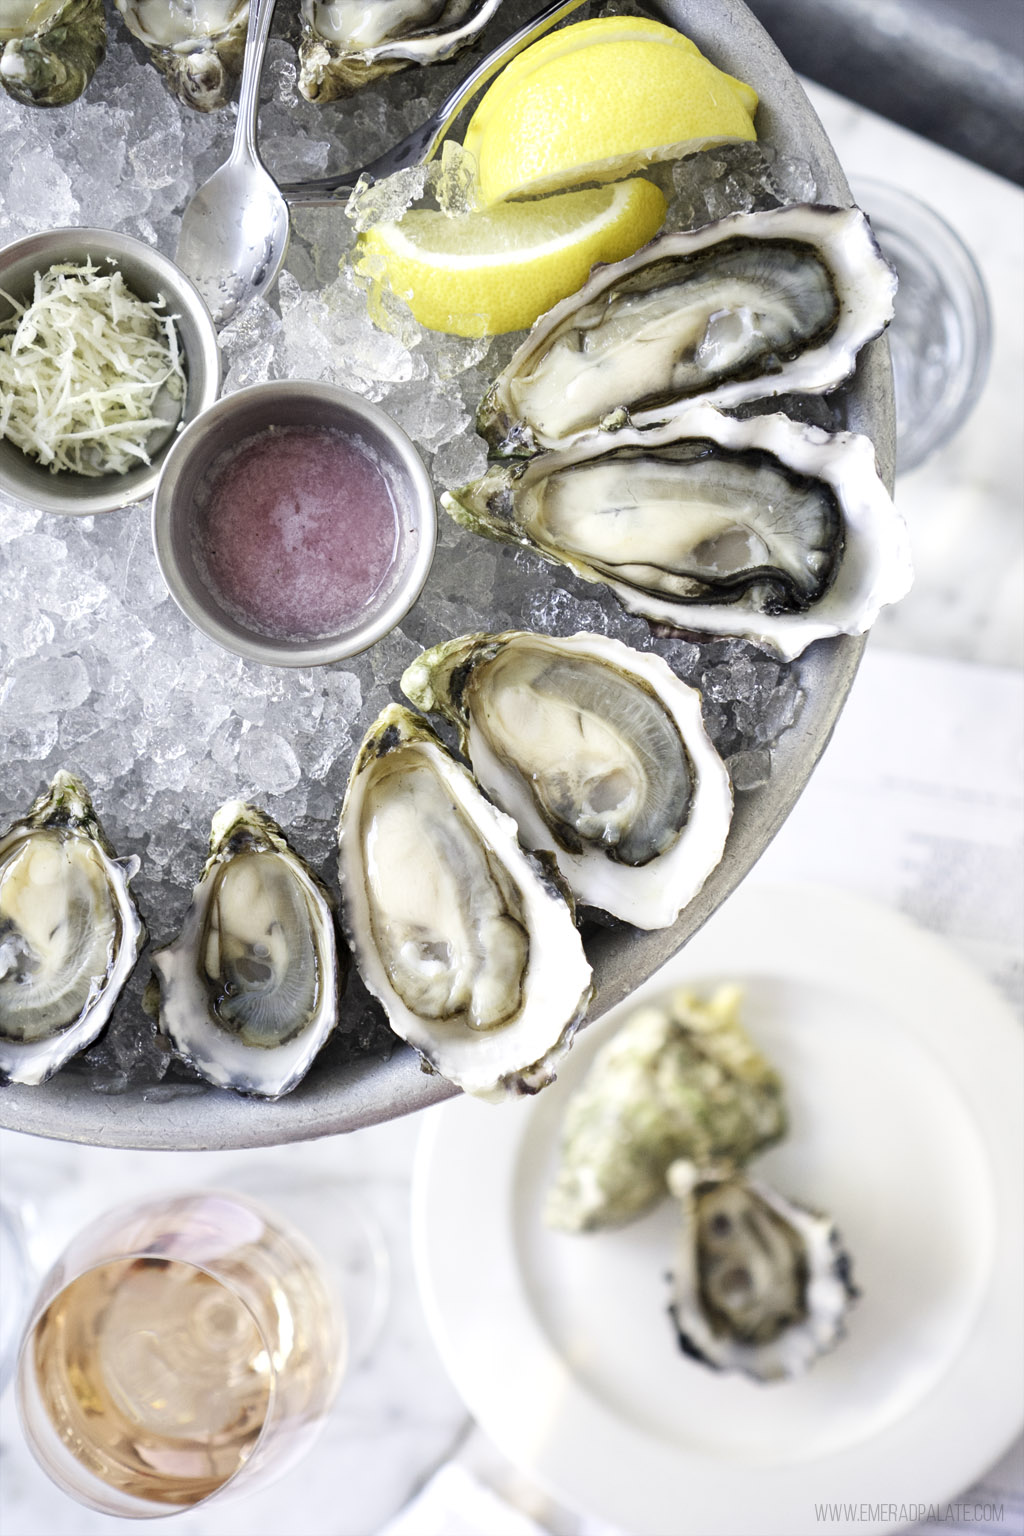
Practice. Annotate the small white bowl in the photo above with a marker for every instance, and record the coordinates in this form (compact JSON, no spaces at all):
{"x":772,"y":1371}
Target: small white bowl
{"x":291,"y":403}
{"x":150,"y":276}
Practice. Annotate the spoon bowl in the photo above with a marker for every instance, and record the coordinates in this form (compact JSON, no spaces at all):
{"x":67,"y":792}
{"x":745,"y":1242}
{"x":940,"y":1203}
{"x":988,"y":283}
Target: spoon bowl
{"x":234,"y":232}
{"x":234,"y":237}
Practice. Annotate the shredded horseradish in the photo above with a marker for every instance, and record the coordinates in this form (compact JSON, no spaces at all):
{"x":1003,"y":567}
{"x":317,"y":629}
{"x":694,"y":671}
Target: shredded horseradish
{"x":81,"y":367}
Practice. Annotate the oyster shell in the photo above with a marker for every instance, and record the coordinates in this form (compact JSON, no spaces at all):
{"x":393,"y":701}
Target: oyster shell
{"x":249,"y":989}
{"x":70,"y":932}
{"x":466,"y":940}
{"x":347,"y":43}
{"x":754,"y":305}
{"x":51,"y":49}
{"x":598,"y":752}
{"x":197,"y":45}
{"x":680,"y":1079}
{"x":763,"y":528}
{"x":762,"y":1285}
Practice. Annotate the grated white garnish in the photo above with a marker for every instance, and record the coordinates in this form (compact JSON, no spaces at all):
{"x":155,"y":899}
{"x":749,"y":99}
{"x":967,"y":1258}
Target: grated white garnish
{"x":81,"y":368}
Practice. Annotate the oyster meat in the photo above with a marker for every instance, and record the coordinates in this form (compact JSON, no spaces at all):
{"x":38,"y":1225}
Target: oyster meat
{"x":467,"y":941}
{"x":680,"y":1079}
{"x":50,"y":49}
{"x":197,"y":45}
{"x":347,"y":43}
{"x":70,"y":932}
{"x":763,"y":528}
{"x":755,"y":305}
{"x":249,"y":989}
{"x":600,"y":755}
{"x":762,"y":1285}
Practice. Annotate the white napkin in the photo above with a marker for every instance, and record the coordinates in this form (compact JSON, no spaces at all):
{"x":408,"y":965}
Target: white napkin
{"x":454,"y":1503}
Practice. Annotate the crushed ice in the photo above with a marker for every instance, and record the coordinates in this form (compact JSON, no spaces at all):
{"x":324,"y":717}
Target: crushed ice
{"x":101,"y":674}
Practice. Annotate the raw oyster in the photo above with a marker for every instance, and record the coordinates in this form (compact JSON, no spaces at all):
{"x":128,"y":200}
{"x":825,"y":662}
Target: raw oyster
{"x":70,"y":932}
{"x":600,"y":755}
{"x":347,"y":43}
{"x":197,"y":45}
{"x":755,"y":305}
{"x":467,"y":941}
{"x":762,"y":1284}
{"x":763,"y":528}
{"x":51,"y":49}
{"x":249,"y":989}
{"x":681,"y":1078}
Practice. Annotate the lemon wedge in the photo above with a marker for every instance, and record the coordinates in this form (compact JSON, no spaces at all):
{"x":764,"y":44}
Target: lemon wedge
{"x":498,"y":269}
{"x":597,"y":101}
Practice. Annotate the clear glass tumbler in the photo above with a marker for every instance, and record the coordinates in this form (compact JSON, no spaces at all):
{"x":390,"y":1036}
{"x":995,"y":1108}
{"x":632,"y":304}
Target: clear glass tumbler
{"x":941,"y":333}
{"x":179,"y":1349}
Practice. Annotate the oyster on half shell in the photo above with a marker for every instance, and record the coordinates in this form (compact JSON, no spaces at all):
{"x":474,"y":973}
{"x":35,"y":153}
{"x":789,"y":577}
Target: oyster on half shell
{"x":600,"y":755}
{"x":467,"y":940}
{"x":249,"y":989}
{"x":762,"y":1284}
{"x":50,"y":49}
{"x":70,"y":932}
{"x":680,"y":1079}
{"x":197,"y":45}
{"x":347,"y":43}
{"x":754,"y":305}
{"x":762,"y":528}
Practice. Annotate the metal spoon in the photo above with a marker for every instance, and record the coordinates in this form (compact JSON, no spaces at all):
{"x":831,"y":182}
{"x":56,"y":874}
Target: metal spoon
{"x":234,"y":232}
{"x":420,"y":145}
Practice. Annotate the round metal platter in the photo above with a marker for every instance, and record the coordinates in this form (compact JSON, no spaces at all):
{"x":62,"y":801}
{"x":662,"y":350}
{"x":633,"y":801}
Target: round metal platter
{"x":370,"y":1090}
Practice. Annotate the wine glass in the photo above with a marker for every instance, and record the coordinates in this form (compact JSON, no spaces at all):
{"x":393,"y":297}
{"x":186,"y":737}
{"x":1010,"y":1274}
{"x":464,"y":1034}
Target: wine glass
{"x":179,"y":1348}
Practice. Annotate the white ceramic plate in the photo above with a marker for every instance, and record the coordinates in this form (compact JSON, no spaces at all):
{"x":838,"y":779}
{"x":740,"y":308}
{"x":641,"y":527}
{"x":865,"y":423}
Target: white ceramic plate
{"x":903,"y":1071}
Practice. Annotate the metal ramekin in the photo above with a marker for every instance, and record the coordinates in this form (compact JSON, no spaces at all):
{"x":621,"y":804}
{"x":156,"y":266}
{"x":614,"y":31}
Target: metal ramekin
{"x":293,"y":402}
{"x":150,"y":276}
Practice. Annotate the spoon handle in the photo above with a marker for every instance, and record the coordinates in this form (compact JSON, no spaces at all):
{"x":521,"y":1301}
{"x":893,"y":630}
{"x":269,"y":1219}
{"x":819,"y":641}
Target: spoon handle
{"x":261,"y":14}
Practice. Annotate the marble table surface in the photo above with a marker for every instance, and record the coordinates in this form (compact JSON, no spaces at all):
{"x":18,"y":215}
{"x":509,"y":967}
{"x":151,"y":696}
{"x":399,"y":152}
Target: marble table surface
{"x":397,"y":1417}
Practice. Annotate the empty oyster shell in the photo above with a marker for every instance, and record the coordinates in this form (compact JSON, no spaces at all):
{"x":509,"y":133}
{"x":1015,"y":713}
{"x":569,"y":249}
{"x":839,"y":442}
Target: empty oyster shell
{"x":600,"y":755}
{"x":347,"y":43}
{"x":70,"y":932}
{"x":466,"y":940}
{"x":755,"y":305}
{"x":249,"y":989}
{"x":762,"y":1285}
{"x":680,"y":1079}
{"x":197,"y":45}
{"x":51,"y":49}
{"x":763,"y":528}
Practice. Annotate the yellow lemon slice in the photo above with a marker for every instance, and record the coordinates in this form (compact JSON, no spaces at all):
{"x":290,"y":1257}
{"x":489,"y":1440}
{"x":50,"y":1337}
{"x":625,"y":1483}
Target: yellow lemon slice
{"x":598,"y":100}
{"x":498,"y":269}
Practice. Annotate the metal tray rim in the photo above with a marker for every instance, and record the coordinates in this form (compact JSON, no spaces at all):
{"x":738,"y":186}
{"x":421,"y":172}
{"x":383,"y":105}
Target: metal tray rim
{"x":368,"y":1092}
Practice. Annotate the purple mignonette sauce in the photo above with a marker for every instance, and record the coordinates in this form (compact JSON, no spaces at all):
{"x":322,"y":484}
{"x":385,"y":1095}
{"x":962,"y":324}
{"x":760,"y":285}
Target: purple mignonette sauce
{"x":297,"y":530}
